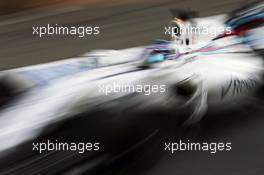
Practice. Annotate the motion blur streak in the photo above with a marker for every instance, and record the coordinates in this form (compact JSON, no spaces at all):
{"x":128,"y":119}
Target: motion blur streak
{"x":213,"y":86}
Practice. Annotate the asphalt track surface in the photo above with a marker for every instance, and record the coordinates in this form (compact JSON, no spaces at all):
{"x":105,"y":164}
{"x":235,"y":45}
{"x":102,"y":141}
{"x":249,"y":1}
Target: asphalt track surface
{"x":132,"y":25}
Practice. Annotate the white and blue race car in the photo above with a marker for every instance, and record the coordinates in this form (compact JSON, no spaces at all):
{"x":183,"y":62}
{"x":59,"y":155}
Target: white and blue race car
{"x":218,"y":74}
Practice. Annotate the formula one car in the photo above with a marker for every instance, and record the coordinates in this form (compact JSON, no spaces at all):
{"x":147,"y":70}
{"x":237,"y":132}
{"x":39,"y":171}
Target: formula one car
{"x":222,"y":71}
{"x":219,"y":72}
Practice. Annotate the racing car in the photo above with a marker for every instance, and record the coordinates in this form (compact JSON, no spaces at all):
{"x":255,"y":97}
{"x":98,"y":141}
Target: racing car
{"x":218,"y":73}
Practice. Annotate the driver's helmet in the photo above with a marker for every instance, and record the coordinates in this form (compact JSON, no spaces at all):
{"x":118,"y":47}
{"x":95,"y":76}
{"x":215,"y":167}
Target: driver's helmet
{"x":156,"y":56}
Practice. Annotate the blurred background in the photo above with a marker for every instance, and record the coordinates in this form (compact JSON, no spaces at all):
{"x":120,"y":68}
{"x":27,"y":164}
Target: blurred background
{"x":129,"y":23}
{"x":141,"y":22}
